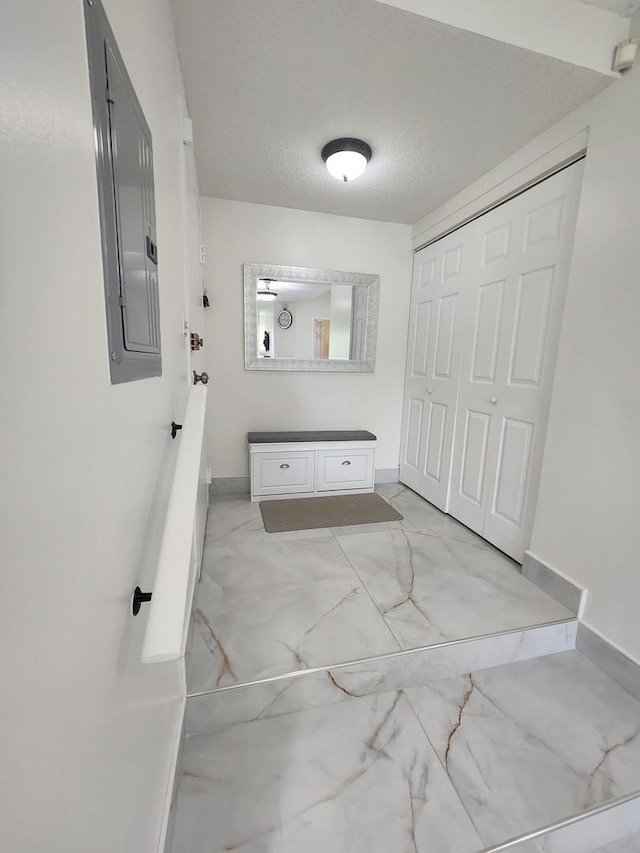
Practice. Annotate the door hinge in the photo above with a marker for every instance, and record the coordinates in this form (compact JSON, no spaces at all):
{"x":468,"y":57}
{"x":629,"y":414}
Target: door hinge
{"x":203,"y":254}
{"x":122,"y":302}
{"x":109,"y":96}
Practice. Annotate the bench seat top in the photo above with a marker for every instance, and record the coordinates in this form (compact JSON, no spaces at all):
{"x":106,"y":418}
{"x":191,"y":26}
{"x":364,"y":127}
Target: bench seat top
{"x":310,"y":435}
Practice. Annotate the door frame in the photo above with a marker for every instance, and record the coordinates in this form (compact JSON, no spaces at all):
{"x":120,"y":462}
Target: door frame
{"x":536,"y":161}
{"x":566,"y":164}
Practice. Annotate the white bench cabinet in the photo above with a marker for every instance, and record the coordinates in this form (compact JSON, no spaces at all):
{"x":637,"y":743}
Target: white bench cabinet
{"x":307,"y":468}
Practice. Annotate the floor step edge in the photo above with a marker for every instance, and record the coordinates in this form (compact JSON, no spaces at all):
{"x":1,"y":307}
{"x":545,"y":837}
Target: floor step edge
{"x":293,"y":692}
{"x":586,"y":831}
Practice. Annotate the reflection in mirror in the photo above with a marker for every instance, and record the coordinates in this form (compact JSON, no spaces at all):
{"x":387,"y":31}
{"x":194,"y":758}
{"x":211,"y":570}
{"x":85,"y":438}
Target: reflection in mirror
{"x":305,"y":319}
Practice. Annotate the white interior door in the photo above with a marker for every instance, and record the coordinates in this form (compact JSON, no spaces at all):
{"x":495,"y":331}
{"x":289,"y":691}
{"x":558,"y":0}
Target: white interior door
{"x":518,"y":265}
{"x":433,"y":368}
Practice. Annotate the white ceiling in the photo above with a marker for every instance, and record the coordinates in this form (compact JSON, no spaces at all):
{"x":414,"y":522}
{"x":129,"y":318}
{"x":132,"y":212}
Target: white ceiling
{"x":620,"y":7}
{"x":299,"y":291}
{"x":269,"y":82}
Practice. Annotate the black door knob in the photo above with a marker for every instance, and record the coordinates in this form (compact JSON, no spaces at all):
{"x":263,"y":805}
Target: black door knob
{"x":139,"y":598}
{"x":200,"y":377}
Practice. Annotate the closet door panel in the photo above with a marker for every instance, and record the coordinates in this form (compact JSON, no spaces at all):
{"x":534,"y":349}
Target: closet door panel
{"x":419,"y":354}
{"x":436,"y":434}
{"x":433,"y":365}
{"x":530,"y":330}
{"x":485,"y":348}
{"x":414,"y":431}
{"x":532,"y":315}
{"x":421,"y":339}
{"x":474,"y":456}
{"x":445,"y":330}
{"x":513,"y":466}
{"x":492,"y":242}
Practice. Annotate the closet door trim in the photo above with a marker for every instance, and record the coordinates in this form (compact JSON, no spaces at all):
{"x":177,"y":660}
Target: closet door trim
{"x":549,"y":173}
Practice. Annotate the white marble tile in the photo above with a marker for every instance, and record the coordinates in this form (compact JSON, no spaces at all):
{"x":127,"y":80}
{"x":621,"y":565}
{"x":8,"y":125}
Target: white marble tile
{"x":373,"y":527}
{"x":431,"y":589}
{"x":355,"y":778}
{"x":295,"y":693}
{"x":420,"y":515}
{"x":234,"y":520}
{"x":263,"y":610}
{"x":533,"y":742}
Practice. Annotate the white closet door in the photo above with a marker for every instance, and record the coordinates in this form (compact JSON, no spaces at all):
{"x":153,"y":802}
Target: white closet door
{"x":433,"y":368}
{"x":518,"y":264}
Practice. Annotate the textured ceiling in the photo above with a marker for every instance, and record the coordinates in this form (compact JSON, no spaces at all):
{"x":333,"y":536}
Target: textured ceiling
{"x":293,"y":291}
{"x":620,"y":7}
{"x":269,"y":82}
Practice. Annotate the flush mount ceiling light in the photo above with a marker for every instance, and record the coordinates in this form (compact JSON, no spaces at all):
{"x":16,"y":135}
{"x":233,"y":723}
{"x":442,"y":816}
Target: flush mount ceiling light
{"x":265,"y":294}
{"x":346,"y":159}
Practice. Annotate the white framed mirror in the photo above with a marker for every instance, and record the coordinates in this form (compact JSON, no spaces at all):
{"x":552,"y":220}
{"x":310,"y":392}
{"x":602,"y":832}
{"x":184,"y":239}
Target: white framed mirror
{"x":296,"y":318}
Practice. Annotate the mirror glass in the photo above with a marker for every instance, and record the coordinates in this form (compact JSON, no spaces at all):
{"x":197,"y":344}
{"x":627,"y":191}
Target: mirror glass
{"x":306,"y":319}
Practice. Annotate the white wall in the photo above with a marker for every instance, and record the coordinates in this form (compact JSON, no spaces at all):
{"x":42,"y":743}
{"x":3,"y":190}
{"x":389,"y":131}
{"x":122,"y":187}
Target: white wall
{"x":589,"y":502}
{"x":297,"y":340}
{"x":86,"y":729}
{"x":235,"y":233}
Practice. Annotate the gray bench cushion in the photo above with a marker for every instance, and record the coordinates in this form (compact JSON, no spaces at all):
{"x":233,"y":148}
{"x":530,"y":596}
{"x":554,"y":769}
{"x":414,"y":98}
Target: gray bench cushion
{"x":310,"y":435}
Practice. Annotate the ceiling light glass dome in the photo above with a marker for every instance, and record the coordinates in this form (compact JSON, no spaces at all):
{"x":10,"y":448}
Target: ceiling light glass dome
{"x":346,"y":158}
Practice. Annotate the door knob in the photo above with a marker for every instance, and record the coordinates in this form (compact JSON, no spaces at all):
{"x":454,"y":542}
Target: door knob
{"x":200,"y":377}
{"x":493,"y":400}
{"x":429,"y":390}
{"x":138,"y":599}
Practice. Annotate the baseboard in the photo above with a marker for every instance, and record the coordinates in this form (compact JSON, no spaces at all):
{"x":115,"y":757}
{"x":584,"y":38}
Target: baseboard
{"x":242,"y":485}
{"x":230,"y":486}
{"x":166,"y":830}
{"x":611,"y":660}
{"x":387,"y":475}
{"x":554,"y":583}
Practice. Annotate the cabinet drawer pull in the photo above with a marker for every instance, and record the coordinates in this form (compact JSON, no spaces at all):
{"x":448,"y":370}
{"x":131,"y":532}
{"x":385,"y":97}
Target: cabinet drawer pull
{"x":346,"y":462}
{"x":285,"y":465}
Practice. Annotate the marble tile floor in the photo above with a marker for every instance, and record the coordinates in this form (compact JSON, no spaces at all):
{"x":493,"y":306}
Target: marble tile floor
{"x":269,"y":604}
{"x":354,"y":778}
{"x":530,"y":743}
{"x":454,"y":766}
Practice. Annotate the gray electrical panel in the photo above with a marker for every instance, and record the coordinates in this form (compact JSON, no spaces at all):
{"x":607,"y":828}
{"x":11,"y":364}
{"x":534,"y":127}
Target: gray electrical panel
{"x":124,"y":157}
